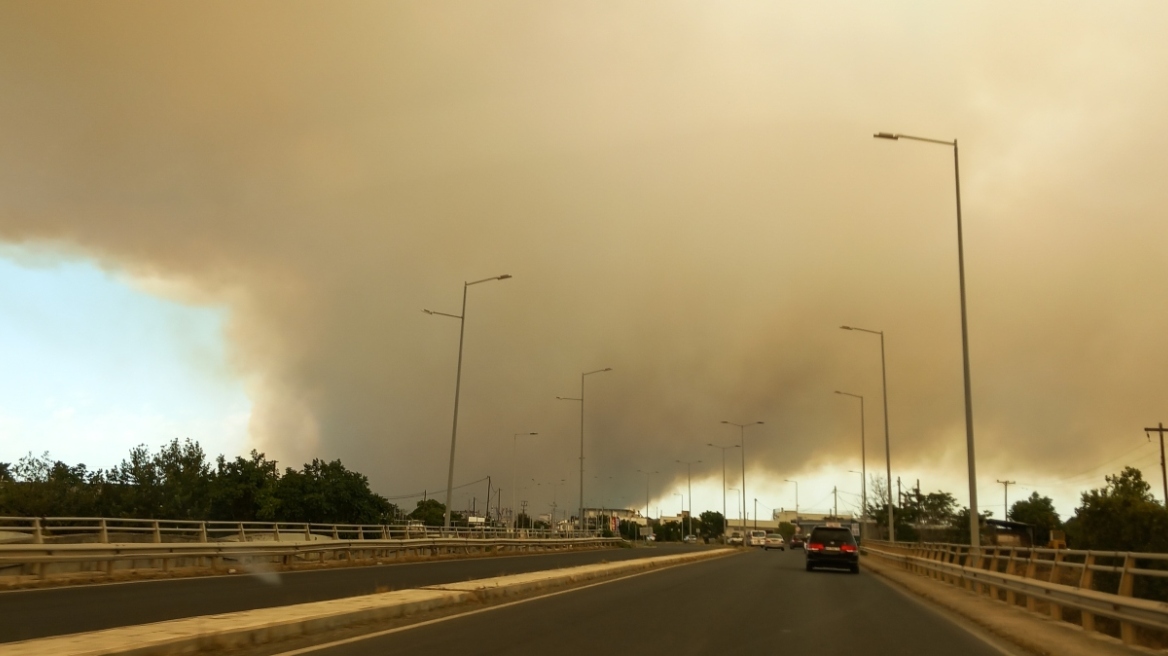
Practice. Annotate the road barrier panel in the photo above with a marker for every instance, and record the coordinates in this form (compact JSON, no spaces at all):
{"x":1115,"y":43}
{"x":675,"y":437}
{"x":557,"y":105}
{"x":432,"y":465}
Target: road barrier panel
{"x":1054,"y":578}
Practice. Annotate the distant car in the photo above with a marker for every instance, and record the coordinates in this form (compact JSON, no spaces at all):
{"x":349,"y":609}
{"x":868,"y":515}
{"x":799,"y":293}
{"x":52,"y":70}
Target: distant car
{"x":690,"y":539}
{"x":735,"y":539}
{"x":774,"y":541}
{"x":796,"y":541}
{"x":832,"y":546}
{"x":650,"y":538}
{"x":756,"y":538}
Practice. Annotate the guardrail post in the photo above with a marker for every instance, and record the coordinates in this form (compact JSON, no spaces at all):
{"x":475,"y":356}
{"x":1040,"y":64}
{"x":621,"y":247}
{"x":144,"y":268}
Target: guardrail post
{"x":276,"y":530}
{"x":103,"y":532}
{"x":336,"y":536}
{"x":307,"y":532}
{"x":242,"y":533}
{"x":37,"y":536}
{"x":1056,"y":611}
{"x":993,"y":566}
{"x":1031,"y":569}
{"x":1012,"y":569}
{"x":202,"y":532}
{"x":157,"y":533}
{"x":1088,"y":618}
{"x":1127,"y":630}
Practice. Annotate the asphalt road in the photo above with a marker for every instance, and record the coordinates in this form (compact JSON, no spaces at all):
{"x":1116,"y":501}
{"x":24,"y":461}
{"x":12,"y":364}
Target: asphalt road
{"x":39,"y":613}
{"x":757,"y":603}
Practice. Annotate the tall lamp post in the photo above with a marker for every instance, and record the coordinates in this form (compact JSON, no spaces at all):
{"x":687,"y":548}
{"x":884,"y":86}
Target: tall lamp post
{"x":974,"y":529}
{"x":689,"y":476}
{"x":740,"y":518}
{"x":581,"y":400}
{"x":742,"y":443}
{"x":887,"y":448}
{"x":647,"y":475}
{"x":863,"y":465}
{"x":457,"y":387}
{"x":725,"y":519}
{"x":514,"y":444}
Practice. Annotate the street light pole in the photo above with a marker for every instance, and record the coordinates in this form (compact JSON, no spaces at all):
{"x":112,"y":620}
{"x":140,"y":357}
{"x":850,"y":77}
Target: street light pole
{"x":974,"y":528}
{"x":742,"y":442}
{"x":740,"y":519}
{"x":514,"y":444}
{"x":457,"y":388}
{"x":725,"y":520}
{"x":689,"y":475}
{"x":887,"y":448}
{"x":647,"y":475}
{"x":863,"y":466}
{"x":581,"y":400}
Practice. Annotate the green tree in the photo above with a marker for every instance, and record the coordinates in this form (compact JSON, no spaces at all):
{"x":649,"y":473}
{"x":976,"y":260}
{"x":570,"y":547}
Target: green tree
{"x":1039,"y":512}
{"x":245,"y":489}
{"x":328,"y":493}
{"x":667,"y":531}
{"x":1120,"y":516}
{"x":713,"y":524}
{"x":432,"y":512}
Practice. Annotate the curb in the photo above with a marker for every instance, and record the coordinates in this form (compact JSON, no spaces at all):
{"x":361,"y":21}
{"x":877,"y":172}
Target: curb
{"x":266,"y":625}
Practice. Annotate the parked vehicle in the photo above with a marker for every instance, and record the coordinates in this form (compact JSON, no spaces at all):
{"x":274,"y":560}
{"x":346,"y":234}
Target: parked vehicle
{"x":735,"y":539}
{"x":774,"y":541}
{"x":690,"y":539}
{"x":832,"y":546}
{"x":756,"y":538}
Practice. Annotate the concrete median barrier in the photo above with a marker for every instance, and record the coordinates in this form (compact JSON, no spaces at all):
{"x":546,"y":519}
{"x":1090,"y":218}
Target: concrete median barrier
{"x":210,"y":633}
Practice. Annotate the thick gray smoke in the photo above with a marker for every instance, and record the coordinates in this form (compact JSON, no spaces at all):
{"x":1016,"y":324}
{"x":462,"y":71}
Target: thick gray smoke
{"x":687,"y":194}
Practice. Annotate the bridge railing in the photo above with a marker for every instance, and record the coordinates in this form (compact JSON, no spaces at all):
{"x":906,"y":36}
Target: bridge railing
{"x":103,"y":530}
{"x":1114,"y":592}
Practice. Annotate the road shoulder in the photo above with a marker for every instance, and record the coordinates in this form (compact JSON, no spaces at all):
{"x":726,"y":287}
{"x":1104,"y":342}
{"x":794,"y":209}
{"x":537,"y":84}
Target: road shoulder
{"x":1034,"y":633}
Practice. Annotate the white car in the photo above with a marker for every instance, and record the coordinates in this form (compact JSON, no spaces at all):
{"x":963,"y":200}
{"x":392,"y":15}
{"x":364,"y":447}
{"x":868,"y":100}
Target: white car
{"x":774,"y":541}
{"x":756,"y":538}
{"x":735,"y":539}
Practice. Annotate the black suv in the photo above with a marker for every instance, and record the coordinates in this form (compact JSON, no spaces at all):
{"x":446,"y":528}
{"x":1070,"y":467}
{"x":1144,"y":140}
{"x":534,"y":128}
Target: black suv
{"x":831,"y":546}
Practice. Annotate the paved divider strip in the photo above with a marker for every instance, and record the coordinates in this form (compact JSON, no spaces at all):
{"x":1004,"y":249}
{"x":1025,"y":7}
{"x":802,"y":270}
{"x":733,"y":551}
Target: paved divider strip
{"x":254,"y":627}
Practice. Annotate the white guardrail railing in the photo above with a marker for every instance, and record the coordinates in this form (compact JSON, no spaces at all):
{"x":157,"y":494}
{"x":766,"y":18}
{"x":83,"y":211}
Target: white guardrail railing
{"x":1095,"y":589}
{"x":37,"y":548}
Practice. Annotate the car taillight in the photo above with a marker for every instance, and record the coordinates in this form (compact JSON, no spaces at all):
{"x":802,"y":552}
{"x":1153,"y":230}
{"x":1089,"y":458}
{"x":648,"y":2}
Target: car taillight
{"x":815,"y":546}
{"x":850,"y":548}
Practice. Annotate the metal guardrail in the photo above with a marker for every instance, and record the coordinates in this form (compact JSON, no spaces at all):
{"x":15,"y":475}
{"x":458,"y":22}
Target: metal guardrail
{"x":1058,"y":579}
{"x":43,"y":530}
{"x":37,"y":548}
{"x":39,"y":562}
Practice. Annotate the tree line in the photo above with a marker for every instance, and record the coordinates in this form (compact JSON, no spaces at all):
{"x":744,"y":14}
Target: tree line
{"x":178,"y":482}
{"x":1122,"y":515}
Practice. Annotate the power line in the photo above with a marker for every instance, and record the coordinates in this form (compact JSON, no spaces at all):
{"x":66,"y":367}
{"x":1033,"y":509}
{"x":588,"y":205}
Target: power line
{"x":439,"y":491}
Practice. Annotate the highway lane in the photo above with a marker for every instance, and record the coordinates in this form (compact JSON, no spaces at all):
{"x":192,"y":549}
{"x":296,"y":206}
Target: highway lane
{"x":55,"y":611}
{"x":755,"y":603}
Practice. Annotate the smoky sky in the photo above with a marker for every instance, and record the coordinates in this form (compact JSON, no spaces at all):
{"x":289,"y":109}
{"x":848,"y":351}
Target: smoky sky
{"x":688,"y":193}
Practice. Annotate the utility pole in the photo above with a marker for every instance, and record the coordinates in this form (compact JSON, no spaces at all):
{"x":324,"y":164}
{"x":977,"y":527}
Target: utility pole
{"x":1006,"y":497}
{"x":1163,"y":473}
{"x":523,"y":505}
{"x":835,"y":501}
{"x":756,"y":513}
{"x":899,"y":497}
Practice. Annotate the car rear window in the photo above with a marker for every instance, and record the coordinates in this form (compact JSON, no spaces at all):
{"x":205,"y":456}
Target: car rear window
{"x":834,"y":536}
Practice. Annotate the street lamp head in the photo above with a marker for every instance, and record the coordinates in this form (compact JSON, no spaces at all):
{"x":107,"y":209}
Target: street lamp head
{"x":607,"y":369}
{"x":427,"y":311}
{"x":725,"y":422}
{"x":504,"y":276}
{"x":759,"y":422}
{"x":846,"y":328}
{"x":886,"y":135}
